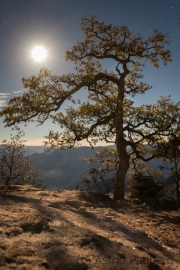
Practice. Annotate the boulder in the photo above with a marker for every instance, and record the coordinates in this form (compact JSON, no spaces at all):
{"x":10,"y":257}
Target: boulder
{"x":144,"y":188}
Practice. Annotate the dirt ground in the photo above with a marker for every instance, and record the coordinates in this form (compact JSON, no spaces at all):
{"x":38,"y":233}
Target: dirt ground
{"x":83,"y":230}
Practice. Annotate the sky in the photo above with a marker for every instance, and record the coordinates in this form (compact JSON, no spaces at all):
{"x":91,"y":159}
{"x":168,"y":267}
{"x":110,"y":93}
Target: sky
{"x":55,"y":25}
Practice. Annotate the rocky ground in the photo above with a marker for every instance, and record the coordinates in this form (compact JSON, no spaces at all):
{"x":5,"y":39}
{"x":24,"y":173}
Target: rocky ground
{"x":82,"y":230}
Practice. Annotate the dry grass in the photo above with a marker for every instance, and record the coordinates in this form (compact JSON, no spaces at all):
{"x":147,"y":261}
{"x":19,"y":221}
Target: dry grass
{"x":83,"y":230}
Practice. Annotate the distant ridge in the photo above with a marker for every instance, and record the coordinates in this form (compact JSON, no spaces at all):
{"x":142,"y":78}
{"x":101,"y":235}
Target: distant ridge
{"x":32,"y":149}
{"x":65,"y":169}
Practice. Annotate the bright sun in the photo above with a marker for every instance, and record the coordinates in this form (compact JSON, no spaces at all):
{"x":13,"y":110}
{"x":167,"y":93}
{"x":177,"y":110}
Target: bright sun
{"x":39,"y":54}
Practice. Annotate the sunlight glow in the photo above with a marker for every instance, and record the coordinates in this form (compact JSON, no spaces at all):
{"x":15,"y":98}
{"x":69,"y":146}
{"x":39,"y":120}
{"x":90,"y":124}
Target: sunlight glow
{"x":39,"y":54}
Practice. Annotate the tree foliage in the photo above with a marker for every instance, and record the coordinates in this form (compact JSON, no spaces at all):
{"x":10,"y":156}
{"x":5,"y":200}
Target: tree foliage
{"x":107,"y":158}
{"x":169,"y":151}
{"x":109,"y":113}
{"x":15,"y":167}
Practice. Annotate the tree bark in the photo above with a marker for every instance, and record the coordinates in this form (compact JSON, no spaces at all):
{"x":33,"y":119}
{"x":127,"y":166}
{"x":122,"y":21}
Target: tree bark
{"x":120,"y":145}
{"x":122,"y":170}
{"x":177,"y":180}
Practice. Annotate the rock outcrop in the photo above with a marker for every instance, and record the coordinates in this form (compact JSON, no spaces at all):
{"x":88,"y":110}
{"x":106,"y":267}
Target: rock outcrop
{"x":144,"y":188}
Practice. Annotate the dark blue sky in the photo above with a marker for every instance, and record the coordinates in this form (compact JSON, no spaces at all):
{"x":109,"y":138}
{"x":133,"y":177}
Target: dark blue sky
{"x":55,"y":24}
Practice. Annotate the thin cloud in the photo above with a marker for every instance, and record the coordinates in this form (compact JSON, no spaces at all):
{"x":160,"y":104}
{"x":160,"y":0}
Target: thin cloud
{"x":2,"y":103}
{"x":4,"y":94}
{"x":16,"y":92}
{"x":3,"y":98}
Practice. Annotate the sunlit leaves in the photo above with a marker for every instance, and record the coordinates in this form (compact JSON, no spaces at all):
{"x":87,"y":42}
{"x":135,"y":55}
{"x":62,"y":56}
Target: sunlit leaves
{"x":107,"y":114}
{"x":117,"y":42}
{"x":106,"y":90}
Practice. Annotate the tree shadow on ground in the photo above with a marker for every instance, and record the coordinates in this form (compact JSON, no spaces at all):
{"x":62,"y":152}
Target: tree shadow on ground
{"x":58,"y":251}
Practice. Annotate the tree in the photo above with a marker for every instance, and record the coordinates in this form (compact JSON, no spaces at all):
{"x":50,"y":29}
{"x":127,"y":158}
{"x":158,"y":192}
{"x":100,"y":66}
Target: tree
{"x":169,"y":151}
{"x":108,"y":114}
{"x":15,"y":167}
{"x":107,"y":157}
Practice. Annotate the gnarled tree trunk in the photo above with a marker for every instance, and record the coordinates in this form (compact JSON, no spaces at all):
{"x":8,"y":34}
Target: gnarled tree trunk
{"x":122,"y":169}
{"x":120,"y":141}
